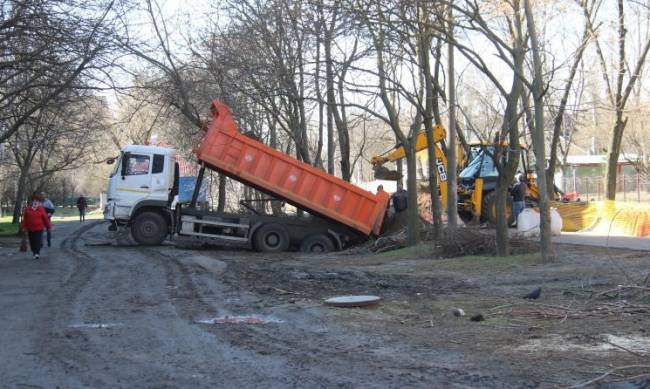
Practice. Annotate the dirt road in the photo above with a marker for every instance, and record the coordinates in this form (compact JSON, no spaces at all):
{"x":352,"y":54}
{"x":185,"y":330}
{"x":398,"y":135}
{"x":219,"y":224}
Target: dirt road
{"x":89,"y":315}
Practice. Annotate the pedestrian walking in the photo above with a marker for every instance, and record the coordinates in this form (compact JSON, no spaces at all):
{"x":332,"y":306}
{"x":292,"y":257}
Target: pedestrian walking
{"x":34,"y":222}
{"x":82,"y":204}
{"x":518,"y":194}
{"x":48,"y":205}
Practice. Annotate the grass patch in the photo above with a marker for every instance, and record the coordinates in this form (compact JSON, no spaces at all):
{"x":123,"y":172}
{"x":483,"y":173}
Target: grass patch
{"x":418,"y":251}
{"x":480,"y":263}
{"x":6,"y":228}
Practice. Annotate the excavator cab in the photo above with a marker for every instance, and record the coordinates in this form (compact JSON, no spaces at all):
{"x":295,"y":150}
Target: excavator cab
{"x":480,"y":166}
{"x":477,"y":183}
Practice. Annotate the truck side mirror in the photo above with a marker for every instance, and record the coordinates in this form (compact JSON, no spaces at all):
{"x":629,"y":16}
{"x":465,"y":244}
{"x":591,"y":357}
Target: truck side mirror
{"x":125,"y":164}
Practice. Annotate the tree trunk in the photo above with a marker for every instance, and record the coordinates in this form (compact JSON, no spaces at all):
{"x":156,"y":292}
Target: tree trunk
{"x":501,"y":202}
{"x":20,"y":194}
{"x":330,"y":140}
{"x":336,"y":118}
{"x":539,"y":141}
{"x":318,"y":158}
{"x":399,"y":165}
{"x":413,"y":224}
{"x":510,"y":127}
{"x":612,"y":156}
{"x":430,"y":111}
{"x":329,"y":93}
{"x":452,"y":187}
{"x":436,"y":207}
{"x":344,"y":137}
{"x":221,"y":204}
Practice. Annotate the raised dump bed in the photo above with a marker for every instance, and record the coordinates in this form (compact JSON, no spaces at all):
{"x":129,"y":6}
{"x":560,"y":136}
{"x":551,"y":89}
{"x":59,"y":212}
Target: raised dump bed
{"x":225,"y":150}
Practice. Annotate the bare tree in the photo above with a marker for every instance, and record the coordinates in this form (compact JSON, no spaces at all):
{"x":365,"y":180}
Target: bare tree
{"x":589,"y":8}
{"x":61,"y":137}
{"x":511,"y":51}
{"x":619,"y":90}
{"x":47,"y":48}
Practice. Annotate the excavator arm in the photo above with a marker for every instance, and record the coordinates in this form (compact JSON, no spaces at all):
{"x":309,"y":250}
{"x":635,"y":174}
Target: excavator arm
{"x":397,"y":153}
{"x":439,"y":136}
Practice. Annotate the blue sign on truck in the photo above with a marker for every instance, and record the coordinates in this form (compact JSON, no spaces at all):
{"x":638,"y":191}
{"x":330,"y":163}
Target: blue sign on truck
{"x":186,"y":189}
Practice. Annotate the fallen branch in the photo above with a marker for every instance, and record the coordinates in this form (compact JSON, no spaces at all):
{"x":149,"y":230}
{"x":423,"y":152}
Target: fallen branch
{"x":606,"y":374}
{"x":620,"y":288}
{"x":633,"y":378}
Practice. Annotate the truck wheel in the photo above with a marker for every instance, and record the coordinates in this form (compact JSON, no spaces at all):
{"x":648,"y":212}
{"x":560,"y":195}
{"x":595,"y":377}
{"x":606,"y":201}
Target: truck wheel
{"x":149,"y":228}
{"x":271,"y":238}
{"x":319,"y":243}
{"x":489,"y":209}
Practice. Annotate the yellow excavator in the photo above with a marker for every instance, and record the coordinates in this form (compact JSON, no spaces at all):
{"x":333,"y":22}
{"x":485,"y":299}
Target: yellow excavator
{"x":477,"y":175}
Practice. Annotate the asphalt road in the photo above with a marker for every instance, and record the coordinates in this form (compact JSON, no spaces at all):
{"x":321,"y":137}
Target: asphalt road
{"x":94,"y":316}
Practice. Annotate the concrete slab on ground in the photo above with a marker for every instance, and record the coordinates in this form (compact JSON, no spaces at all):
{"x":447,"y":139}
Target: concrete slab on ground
{"x":590,"y":239}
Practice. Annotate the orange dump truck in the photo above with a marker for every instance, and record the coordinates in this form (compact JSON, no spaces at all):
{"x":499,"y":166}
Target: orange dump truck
{"x":141,"y":196}
{"x":226,"y":150}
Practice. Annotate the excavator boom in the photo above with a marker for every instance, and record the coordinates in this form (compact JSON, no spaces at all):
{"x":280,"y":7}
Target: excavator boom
{"x":439,"y":135}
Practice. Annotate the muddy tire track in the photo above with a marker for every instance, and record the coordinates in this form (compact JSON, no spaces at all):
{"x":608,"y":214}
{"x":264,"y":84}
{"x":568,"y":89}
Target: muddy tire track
{"x":57,"y":342}
{"x":181,"y":288}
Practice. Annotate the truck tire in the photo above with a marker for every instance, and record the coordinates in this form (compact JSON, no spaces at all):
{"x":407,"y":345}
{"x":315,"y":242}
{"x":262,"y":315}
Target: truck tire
{"x":317,"y":243}
{"x":149,"y":228}
{"x":489,"y":209}
{"x":271,"y":238}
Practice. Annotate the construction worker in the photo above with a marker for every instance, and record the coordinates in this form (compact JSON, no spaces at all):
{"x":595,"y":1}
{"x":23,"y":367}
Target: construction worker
{"x":400,"y":199}
{"x":518,"y":194}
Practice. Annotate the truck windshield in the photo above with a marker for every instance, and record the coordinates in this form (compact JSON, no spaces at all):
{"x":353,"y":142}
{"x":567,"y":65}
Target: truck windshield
{"x":116,"y":166}
{"x":481,"y":166}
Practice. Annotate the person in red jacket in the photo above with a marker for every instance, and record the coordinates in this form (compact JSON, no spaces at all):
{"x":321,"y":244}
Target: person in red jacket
{"x":35,"y":221}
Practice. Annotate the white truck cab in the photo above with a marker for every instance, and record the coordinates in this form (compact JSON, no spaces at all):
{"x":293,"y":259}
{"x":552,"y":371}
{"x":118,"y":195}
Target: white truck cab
{"x":141,"y":189}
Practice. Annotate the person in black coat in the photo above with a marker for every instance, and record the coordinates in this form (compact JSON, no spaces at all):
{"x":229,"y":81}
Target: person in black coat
{"x":518,"y":194}
{"x":82,"y":204}
{"x":400,"y":199}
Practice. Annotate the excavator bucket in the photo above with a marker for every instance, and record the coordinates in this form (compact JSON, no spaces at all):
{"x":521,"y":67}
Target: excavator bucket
{"x":383,"y":173}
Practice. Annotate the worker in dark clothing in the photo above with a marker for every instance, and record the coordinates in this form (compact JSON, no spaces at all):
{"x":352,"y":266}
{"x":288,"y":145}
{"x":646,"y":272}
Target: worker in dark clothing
{"x":400,"y":199}
{"x":82,"y":204}
{"x":518,"y":194}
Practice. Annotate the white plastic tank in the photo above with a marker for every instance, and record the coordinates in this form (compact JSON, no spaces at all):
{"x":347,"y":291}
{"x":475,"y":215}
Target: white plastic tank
{"x":528,"y":222}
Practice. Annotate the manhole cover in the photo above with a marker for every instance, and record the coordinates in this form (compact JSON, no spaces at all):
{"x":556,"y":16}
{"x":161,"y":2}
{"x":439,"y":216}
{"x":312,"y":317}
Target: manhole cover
{"x":352,"y":301}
